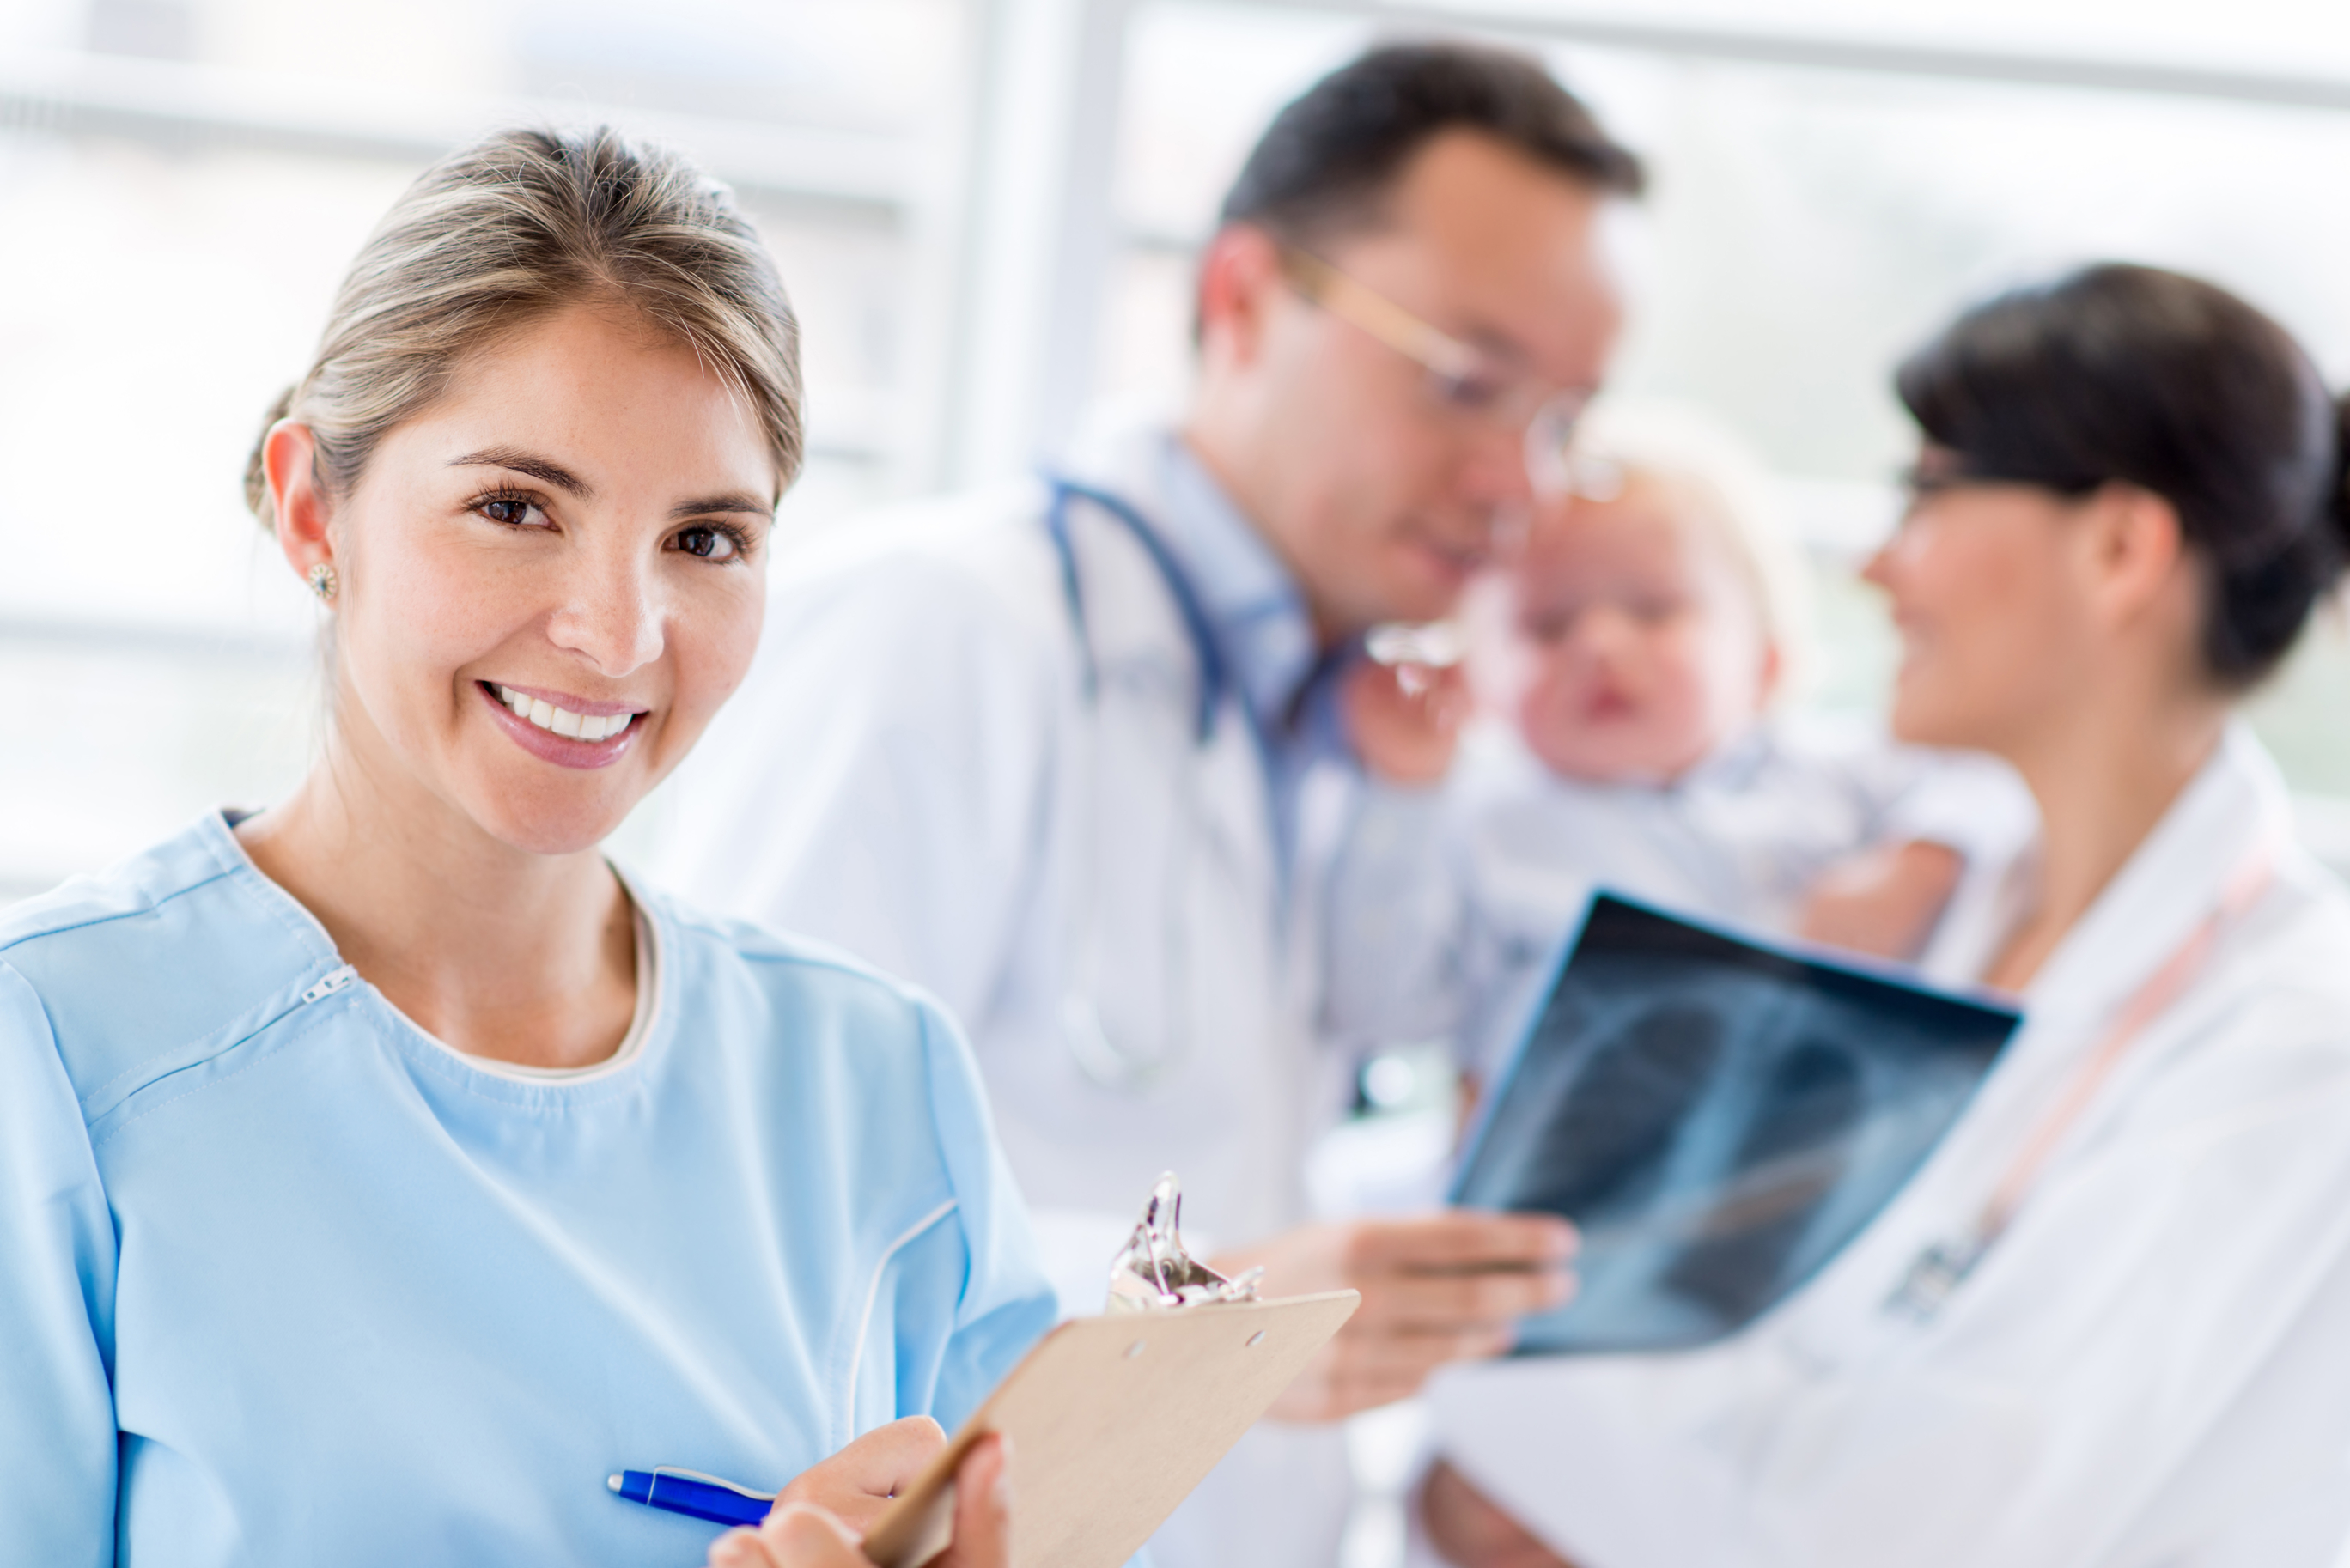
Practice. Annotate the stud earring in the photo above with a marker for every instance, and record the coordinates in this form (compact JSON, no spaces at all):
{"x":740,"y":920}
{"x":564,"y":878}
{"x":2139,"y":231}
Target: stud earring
{"x":322,"y":580}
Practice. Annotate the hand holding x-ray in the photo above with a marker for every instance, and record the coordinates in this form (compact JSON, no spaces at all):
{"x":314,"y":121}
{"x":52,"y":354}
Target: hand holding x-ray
{"x":1435,"y":1288}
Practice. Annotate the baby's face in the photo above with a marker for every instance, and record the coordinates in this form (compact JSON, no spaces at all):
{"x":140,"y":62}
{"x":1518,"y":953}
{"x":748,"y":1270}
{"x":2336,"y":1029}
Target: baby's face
{"x":1637,"y":645}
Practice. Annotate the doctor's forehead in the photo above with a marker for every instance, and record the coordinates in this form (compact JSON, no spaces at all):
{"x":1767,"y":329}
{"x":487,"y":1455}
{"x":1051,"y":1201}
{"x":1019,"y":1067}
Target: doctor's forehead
{"x":1508,"y":249}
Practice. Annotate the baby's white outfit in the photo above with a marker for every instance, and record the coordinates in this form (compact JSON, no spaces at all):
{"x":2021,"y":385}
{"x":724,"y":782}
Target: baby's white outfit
{"x":1448,"y":906}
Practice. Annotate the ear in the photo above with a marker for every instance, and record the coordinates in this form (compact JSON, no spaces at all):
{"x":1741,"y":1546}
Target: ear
{"x":1768,"y":674}
{"x":300,"y":505}
{"x":1239,"y":275}
{"x":2135,"y":555}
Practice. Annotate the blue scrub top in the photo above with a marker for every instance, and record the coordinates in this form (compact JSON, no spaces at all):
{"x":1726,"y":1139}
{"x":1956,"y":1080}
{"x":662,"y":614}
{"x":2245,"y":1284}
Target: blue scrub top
{"x":285,"y":1280}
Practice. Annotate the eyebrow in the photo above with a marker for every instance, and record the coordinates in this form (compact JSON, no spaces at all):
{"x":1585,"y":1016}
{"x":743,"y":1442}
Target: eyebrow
{"x":545,"y":470}
{"x":734,"y":501}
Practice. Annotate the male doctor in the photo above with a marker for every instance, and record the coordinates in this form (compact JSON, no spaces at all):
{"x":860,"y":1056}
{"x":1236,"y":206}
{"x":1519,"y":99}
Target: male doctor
{"x":1048,"y":753}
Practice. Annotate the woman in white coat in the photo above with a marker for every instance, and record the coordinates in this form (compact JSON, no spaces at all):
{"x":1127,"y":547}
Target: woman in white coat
{"x":2102,"y":1326}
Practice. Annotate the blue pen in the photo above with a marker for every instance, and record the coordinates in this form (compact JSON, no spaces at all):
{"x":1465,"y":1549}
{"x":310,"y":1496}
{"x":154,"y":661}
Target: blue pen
{"x":694,"y":1494}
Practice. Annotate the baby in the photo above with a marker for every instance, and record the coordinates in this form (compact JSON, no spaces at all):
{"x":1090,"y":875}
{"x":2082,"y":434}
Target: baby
{"x":1621,"y":676}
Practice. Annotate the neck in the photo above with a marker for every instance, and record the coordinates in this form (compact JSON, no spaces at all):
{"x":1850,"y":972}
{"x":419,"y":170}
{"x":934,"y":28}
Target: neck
{"x":501,"y":953}
{"x":1222,"y":450}
{"x":2104,"y":779}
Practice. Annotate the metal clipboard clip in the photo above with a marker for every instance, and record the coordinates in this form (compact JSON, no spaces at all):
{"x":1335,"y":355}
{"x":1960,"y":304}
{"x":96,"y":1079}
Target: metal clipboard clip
{"x":1155,"y":1274}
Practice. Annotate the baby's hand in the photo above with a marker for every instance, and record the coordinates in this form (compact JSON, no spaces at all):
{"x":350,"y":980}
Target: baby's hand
{"x":1403,"y":720}
{"x":1884,"y":902}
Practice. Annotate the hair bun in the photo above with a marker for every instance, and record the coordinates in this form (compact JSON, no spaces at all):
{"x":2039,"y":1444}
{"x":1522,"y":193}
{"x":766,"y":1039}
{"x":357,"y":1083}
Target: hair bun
{"x":2337,"y":501}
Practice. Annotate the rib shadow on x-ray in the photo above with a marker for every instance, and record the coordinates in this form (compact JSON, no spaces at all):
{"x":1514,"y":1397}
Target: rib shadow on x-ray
{"x":1719,"y":1116}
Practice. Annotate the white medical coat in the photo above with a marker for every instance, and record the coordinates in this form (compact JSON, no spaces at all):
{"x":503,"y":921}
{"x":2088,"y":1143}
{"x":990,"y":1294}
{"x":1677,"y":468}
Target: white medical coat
{"x":930,"y":767}
{"x":2151,"y":1369}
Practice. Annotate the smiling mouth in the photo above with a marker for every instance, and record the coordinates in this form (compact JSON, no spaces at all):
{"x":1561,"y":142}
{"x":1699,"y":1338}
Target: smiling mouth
{"x":591,"y":728}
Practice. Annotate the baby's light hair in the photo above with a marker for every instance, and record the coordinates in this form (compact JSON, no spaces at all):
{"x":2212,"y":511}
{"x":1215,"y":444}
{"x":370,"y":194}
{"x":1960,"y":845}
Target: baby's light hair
{"x":1714,"y":475}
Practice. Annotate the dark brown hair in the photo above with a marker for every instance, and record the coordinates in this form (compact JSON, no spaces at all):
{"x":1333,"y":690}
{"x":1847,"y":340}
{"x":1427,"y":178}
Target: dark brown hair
{"x":2134,"y":374}
{"x":1332,"y":156}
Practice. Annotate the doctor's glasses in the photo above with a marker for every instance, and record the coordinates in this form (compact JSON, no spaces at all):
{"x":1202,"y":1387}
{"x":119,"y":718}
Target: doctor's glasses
{"x":1461,"y":380}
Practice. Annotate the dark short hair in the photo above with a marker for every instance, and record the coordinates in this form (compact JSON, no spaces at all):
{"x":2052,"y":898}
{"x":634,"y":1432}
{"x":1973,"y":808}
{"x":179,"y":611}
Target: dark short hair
{"x":2149,"y":378}
{"x":1332,"y":156}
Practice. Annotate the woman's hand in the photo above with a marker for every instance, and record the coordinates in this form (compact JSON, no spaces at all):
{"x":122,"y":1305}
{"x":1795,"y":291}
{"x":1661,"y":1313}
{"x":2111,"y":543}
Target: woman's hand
{"x":805,"y":1533}
{"x":856,"y":1484}
{"x":1468,"y":1530}
{"x":1884,"y":902}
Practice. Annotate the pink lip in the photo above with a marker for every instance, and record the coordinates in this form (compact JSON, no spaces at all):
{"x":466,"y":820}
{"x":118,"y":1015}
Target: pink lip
{"x":561,"y":749}
{"x":1604,"y":706}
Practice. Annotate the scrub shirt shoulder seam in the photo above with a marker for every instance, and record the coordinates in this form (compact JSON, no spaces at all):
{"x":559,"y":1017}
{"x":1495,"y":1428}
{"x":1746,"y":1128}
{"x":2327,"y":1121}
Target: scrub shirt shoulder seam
{"x":112,"y":1091}
{"x":297,"y":1026}
{"x":149,"y":906}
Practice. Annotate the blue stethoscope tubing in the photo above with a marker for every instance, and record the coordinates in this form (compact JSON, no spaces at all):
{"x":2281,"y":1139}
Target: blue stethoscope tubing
{"x":1098,"y":1056}
{"x":1215,"y":679}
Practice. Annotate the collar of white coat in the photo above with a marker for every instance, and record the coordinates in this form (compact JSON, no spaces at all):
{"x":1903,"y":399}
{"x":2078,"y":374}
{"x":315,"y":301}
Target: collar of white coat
{"x":1254,"y":609}
{"x":2236,"y":806}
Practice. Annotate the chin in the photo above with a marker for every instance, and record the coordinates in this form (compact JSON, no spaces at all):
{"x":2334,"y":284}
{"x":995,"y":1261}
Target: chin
{"x":1920,"y":721}
{"x":548,"y":827}
{"x":1425,"y":590}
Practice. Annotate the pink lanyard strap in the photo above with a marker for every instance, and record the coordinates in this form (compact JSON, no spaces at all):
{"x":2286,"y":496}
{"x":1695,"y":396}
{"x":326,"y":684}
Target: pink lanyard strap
{"x":1940,"y":1269}
{"x":2249,"y":883}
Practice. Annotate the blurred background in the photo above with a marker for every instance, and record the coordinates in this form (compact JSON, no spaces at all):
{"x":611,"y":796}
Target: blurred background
{"x":986,"y":210}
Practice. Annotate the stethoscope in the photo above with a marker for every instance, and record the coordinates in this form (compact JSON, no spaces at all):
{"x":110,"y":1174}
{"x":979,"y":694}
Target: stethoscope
{"x":1107,"y":1062}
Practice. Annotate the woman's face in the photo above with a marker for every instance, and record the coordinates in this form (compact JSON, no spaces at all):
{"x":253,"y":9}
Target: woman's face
{"x":551,"y":579}
{"x":1988,"y":598}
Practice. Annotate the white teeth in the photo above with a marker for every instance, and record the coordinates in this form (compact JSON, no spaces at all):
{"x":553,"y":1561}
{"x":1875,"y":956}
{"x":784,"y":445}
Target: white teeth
{"x":563,"y":722}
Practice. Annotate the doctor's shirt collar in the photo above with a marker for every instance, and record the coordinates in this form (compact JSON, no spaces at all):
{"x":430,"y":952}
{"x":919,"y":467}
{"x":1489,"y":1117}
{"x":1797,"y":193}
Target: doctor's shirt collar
{"x":1258,"y":616}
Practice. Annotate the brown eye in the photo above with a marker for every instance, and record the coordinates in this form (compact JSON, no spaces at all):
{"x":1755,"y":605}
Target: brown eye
{"x":708,"y":543}
{"x":512,"y":510}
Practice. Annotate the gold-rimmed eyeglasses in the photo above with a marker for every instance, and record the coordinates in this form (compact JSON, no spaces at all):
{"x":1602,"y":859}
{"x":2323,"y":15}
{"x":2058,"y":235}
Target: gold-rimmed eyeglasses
{"x":1462,"y":380}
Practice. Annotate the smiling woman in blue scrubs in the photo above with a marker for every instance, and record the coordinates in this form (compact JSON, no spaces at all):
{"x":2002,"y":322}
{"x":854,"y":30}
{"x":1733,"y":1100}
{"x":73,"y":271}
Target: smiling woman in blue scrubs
{"x":381,"y":1172}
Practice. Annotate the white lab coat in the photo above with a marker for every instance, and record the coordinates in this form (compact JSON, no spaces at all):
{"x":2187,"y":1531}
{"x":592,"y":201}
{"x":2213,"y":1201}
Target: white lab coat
{"x":929,"y":768}
{"x":2151,"y":1369}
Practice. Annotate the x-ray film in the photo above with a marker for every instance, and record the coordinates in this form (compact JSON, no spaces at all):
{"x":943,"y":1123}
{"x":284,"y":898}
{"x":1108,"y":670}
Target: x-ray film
{"x":1718,"y":1116}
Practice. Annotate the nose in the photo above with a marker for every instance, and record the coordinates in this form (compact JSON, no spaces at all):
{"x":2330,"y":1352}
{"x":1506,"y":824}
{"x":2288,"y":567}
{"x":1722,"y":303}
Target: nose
{"x":1879,"y":571}
{"x":1493,"y":471}
{"x":1603,"y":629}
{"x":611,"y":613}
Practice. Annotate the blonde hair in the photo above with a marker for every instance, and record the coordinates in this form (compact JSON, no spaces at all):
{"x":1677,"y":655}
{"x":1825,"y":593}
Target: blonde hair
{"x":1717,"y":483}
{"x":511,"y":230}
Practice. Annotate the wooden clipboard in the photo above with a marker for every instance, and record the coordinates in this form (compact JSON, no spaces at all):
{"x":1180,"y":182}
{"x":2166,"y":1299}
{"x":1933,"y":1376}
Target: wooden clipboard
{"x":1113,"y":1422}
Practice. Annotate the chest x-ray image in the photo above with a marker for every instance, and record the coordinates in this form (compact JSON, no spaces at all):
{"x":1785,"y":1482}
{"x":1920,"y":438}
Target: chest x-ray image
{"x":1719,"y":1116}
